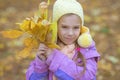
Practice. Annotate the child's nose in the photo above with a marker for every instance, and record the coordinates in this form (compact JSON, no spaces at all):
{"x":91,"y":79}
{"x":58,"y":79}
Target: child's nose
{"x":70,"y":32}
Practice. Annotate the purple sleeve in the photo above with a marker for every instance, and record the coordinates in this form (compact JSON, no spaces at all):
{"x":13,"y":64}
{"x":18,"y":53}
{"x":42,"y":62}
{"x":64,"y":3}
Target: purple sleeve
{"x":60,"y":61}
{"x":36,"y":67}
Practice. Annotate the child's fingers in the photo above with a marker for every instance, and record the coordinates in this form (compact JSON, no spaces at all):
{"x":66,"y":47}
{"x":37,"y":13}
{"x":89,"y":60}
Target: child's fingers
{"x":42,"y":56}
{"x":39,"y":53}
{"x":43,"y":46}
{"x":42,"y":49}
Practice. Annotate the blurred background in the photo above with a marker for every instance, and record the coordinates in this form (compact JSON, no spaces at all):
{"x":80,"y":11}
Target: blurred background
{"x":101,"y":16}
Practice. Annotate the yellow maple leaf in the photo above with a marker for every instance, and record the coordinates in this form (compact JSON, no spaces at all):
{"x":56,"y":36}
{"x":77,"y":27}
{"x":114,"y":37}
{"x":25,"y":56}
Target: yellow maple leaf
{"x":31,"y":42}
{"x":32,"y":25}
{"x":42,"y":33}
{"x":53,"y":29}
{"x":40,"y":30}
{"x":11,"y":33}
{"x":25,"y":52}
{"x":52,"y":45}
{"x":35,"y":30}
{"x":25,"y":26}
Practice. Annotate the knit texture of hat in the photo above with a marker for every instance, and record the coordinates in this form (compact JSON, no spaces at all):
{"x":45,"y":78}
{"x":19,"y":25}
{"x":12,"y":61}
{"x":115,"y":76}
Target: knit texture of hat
{"x":62,"y":7}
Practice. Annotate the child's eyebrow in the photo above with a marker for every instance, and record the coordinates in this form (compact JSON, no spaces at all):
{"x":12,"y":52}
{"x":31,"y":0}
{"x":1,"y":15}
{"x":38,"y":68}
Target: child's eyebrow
{"x":68,"y":25}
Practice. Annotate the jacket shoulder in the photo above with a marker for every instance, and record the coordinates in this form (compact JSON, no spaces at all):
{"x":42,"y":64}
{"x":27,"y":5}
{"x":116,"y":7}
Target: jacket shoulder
{"x":90,"y":52}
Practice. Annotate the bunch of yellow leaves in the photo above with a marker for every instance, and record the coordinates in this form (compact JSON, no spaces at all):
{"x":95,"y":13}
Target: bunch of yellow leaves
{"x":38,"y":29}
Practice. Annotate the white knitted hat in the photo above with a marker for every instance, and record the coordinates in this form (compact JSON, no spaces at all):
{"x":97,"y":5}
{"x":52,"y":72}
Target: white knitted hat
{"x":62,"y":7}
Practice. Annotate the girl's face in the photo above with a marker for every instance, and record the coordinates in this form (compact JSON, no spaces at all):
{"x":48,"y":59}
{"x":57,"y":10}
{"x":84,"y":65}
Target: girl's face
{"x":69,"y":28}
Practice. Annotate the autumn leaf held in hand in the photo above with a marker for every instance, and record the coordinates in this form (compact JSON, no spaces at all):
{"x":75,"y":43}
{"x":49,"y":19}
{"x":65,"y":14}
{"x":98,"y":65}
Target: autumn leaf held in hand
{"x":40,"y":30}
{"x":11,"y":33}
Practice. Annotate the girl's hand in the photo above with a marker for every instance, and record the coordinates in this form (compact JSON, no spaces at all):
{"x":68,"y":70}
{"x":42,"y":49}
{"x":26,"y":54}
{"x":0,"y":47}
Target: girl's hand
{"x":43,"y":51}
{"x":69,"y":50}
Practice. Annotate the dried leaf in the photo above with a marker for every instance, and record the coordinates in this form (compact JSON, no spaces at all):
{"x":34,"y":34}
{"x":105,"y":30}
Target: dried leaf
{"x":88,"y":18}
{"x":32,"y":25}
{"x":25,"y":52}
{"x":11,"y":33}
{"x":54,"y":31}
{"x":31,"y":42}
{"x":25,"y":26}
{"x":42,"y":33}
{"x":2,"y":45}
{"x":113,"y":59}
{"x":105,"y":66}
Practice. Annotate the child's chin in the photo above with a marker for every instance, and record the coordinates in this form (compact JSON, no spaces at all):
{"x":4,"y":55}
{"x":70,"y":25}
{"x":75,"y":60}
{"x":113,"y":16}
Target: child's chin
{"x":68,"y":43}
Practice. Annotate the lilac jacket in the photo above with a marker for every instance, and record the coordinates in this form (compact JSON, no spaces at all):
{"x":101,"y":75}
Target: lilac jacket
{"x":64,"y":68}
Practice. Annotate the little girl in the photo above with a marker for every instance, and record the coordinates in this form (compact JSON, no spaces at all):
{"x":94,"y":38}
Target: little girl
{"x":72,"y":61}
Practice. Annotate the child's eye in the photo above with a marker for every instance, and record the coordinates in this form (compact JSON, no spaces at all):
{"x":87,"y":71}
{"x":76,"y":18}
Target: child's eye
{"x":64,"y":27}
{"x":76,"y":27}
